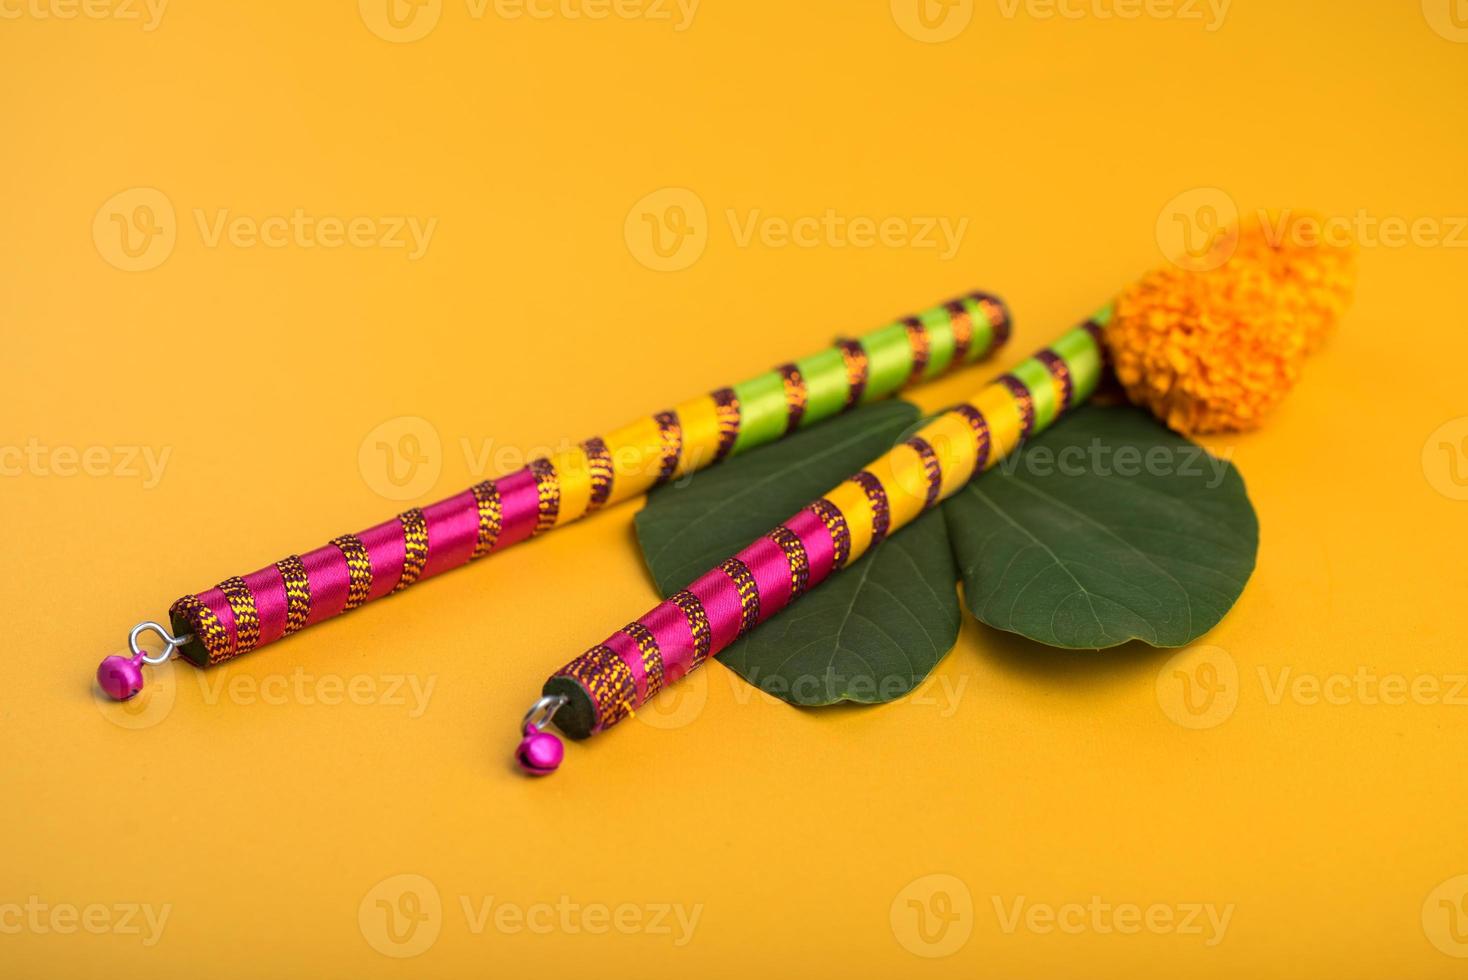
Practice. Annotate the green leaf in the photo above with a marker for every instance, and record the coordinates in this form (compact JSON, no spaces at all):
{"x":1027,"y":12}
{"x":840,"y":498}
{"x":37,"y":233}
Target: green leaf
{"x":692,"y":525}
{"x":870,"y":633}
{"x":1108,"y":528}
{"x":1105,"y":529}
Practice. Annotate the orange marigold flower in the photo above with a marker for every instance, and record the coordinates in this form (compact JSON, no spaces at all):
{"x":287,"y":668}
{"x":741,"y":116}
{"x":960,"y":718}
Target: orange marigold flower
{"x":1217,"y":350}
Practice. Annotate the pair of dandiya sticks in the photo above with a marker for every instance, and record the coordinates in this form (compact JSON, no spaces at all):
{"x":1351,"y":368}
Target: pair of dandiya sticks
{"x":609,"y":682}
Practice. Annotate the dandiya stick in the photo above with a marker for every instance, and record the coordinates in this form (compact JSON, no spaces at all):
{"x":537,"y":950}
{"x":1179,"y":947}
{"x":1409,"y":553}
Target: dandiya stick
{"x":613,"y":679}
{"x":246,"y":612}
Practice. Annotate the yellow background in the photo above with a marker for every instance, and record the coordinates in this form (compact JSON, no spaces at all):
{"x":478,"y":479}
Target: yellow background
{"x":265,"y":823}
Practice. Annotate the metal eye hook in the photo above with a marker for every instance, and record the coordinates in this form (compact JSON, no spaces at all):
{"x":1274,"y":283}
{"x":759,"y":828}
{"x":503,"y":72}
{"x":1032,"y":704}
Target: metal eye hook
{"x":540,"y":714}
{"x":170,"y":642}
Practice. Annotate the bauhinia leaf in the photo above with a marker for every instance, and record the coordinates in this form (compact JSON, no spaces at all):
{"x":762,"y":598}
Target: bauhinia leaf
{"x":1107,"y":528}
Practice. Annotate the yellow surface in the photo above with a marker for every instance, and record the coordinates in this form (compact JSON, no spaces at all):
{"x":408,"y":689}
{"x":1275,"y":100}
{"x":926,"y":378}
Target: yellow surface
{"x":269,"y":806}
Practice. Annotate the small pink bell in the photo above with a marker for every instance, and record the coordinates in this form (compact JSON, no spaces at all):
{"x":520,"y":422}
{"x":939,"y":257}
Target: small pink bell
{"x":540,"y":753}
{"x":121,"y":678}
